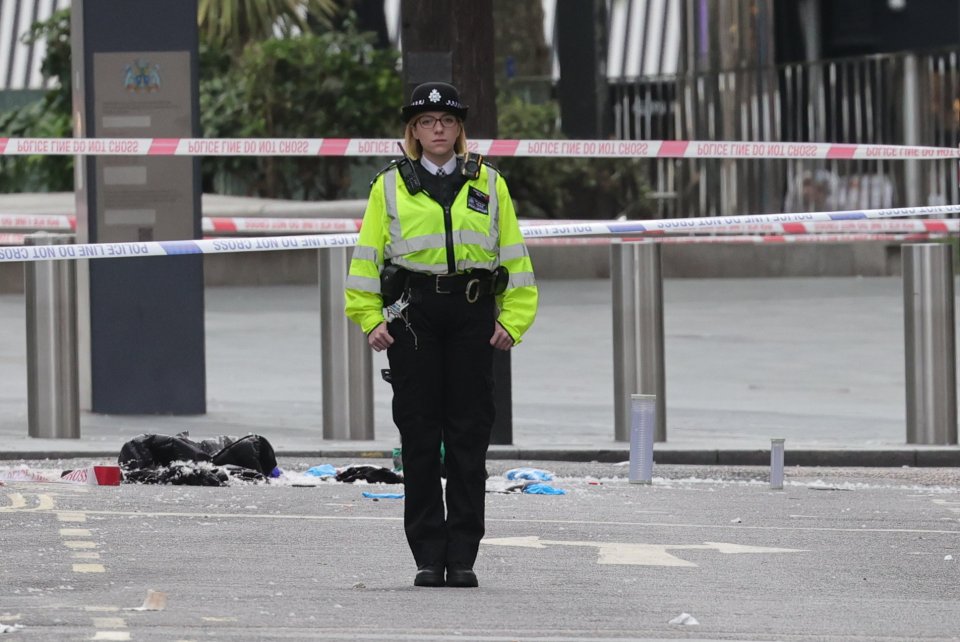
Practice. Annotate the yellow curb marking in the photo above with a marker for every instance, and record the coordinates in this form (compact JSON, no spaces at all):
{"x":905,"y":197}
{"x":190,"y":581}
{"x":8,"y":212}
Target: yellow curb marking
{"x":10,"y":618}
{"x":86,"y":556}
{"x":89,"y":568}
{"x":80,"y":544}
{"x":109,"y":623}
{"x":71,"y":517}
{"x":74,"y":532}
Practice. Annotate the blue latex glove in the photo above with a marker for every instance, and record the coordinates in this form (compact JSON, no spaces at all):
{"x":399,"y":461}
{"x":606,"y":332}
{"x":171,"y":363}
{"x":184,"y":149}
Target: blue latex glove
{"x":533,"y":474}
{"x":543,"y":489}
{"x":370,"y":495}
{"x":326,"y":470}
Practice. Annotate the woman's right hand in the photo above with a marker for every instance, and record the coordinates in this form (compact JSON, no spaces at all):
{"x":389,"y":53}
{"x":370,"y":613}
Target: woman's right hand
{"x":379,"y":338}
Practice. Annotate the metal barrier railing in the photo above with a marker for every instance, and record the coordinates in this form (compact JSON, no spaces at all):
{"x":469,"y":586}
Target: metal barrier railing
{"x":347,"y":377}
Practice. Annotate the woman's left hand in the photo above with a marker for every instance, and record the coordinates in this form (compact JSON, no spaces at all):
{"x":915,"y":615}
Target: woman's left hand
{"x":501,"y":339}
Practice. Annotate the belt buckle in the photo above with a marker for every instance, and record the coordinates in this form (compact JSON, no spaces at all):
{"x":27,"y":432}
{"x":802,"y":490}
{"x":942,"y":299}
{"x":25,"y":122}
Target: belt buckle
{"x":436,"y":287}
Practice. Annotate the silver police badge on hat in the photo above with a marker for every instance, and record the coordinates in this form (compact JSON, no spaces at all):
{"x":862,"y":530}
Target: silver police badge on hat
{"x":434,"y":96}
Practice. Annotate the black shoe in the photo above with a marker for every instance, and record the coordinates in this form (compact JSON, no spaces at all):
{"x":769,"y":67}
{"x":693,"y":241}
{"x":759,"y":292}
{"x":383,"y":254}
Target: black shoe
{"x":429,"y":576}
{"x":461,"y":577}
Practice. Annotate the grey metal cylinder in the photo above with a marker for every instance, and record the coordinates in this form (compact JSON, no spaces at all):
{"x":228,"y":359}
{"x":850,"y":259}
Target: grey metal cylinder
{"x":642,"y":424}
{"x":53,"y":393}
{"x":928,"y":304}
{"x":638,"y":358}
{"x":345,"y":358}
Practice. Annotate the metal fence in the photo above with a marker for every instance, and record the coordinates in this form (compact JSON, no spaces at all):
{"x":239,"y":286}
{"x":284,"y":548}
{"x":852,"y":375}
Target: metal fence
{"x":907,"y":98}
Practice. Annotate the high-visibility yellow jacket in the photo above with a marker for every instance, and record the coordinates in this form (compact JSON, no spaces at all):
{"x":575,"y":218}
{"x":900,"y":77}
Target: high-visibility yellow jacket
{"x":414,"y":232}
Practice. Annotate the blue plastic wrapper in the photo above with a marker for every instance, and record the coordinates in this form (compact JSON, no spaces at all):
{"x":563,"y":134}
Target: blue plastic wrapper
{"x":533,"y":474}
{"x":276,"y":472}
{"x":543,"y":489}
{"x":326,"y":470}
{"x":370,"y":495}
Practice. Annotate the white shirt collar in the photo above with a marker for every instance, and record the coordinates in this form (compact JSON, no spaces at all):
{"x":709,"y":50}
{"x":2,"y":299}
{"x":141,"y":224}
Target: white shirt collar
{"x":448,"y":168}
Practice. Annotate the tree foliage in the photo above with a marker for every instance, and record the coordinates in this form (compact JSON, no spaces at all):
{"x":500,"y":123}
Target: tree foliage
{"x":231,"y":24}
{"x":572,"y":188}
{"x":46,"y":118}
{"x":334,"y":84}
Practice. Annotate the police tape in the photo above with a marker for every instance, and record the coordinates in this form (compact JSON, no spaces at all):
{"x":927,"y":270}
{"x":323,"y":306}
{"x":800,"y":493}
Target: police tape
{"x":756,"y":239}
{"x":488,"y":147}
{"x":268,"y":225}
{"x":315,"y":242}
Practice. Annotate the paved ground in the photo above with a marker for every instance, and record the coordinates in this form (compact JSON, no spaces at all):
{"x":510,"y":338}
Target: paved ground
{"x":840,"y":554}
{"x":817,"y":361}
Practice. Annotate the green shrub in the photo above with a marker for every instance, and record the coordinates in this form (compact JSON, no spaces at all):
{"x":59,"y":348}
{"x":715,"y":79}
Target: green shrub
{"x":570,"y":188}
{"x":334,"y":85}
{"x":47,"y":118}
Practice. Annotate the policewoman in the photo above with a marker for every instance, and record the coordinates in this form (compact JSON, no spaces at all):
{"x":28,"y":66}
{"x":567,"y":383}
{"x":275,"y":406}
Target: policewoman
{"x":440,"y":278}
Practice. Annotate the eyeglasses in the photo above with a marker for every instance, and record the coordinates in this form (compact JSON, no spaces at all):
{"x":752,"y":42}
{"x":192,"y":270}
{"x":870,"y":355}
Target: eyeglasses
{"x":428,"y":122}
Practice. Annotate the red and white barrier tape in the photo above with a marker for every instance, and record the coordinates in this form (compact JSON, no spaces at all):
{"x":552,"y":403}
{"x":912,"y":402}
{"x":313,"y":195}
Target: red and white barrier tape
{"x":487,"y":147}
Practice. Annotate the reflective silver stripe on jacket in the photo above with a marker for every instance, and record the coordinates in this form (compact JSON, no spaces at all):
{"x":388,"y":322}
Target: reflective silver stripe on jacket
{"x":366,"y":253}
{"x":520,"y":280}
{"x":390,"y":202}
{"x":363,"y":283}
{"x":516,"y":251}
{"x":494,"y":205}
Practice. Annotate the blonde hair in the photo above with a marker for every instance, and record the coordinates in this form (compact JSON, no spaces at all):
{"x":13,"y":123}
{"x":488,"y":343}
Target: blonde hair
{"x":415,"y":149}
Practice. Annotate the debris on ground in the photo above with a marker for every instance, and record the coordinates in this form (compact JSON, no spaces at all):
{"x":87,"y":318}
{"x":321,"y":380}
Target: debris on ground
{"x":685,"y":619}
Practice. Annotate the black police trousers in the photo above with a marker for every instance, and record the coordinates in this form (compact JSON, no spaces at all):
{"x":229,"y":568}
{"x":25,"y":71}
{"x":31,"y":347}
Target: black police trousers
{"x":442,"y":377}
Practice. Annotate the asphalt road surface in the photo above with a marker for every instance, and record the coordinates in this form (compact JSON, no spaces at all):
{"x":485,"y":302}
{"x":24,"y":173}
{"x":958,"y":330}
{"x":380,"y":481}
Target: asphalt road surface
{"x":839,"y":554}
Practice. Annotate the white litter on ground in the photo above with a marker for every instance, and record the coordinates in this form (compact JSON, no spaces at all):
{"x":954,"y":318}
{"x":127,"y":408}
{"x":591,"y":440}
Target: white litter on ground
{"x":685,"y":619}
{"x":10,"y":628}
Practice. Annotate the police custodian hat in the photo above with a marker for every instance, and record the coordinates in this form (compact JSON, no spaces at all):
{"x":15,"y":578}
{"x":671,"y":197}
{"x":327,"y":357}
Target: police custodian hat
{"x":434,"y":96}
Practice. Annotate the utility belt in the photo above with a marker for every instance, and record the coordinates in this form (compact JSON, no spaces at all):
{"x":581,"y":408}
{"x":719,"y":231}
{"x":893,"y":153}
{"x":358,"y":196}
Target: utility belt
{"x":474,"y":284}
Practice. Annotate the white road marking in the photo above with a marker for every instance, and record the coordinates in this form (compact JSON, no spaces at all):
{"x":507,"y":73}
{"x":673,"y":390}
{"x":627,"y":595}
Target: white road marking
{"x":513,"y":520}
{"x":219,"y":619}
{"x":71,"y":517}
{"x":74,"y":532}
{"x":10,"y":618}
{"x":638,"y":554}
{"x":89,"y":568}
{"x":80,"y":544}
{"x":109,"y":623}
{"x":111,"y":635}
{"x":953,"y":507}
{"x":86,"y":556}
{"x":101,"y":609}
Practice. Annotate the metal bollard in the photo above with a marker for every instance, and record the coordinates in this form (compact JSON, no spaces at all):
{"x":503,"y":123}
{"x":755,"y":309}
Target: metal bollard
{"x":345,"y":358}
{"x":53,"y":391}
{"x":637,"y":332}
{"x":643,"y":420}
{"x":931,"y":360}
{"x":776,"y":464}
